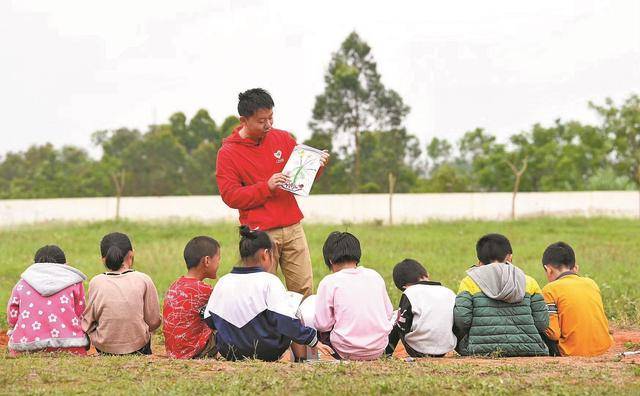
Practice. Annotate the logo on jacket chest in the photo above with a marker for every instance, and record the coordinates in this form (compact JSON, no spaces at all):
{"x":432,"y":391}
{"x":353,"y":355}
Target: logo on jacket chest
{"x":278,"y":155}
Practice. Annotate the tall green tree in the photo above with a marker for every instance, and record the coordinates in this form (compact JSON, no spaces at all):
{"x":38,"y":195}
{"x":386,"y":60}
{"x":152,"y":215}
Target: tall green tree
{"x":355,"y":100}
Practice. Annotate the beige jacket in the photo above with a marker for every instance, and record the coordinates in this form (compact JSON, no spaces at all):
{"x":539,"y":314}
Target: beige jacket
{"x":122,"y":311}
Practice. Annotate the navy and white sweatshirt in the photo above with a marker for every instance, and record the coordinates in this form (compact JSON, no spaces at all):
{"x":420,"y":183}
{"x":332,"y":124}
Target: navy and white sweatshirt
{"x":250,"y":311}
{"x":425,"y":320}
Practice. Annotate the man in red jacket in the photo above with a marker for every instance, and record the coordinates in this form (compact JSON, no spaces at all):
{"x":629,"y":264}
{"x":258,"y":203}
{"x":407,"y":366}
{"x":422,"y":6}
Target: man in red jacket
{"x":249,"y":174}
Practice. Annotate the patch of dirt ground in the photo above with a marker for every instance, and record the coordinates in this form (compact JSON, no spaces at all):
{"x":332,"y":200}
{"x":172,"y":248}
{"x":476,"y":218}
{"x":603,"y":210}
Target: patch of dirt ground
{"x":626,"y":340}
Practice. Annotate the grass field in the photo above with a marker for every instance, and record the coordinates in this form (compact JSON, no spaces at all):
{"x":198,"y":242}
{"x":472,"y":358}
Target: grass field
{"x":607,"y":251}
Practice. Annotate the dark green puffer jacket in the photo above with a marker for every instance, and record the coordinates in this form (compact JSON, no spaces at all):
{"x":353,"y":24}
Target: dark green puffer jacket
{"x":500,"y":311}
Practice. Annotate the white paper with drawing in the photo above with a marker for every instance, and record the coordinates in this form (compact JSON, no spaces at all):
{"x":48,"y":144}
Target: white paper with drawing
{"x":302,"y":168}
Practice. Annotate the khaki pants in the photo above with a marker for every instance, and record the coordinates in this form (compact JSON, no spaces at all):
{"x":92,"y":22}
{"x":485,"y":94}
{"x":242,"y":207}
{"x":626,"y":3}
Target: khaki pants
{"x":291,"y":253}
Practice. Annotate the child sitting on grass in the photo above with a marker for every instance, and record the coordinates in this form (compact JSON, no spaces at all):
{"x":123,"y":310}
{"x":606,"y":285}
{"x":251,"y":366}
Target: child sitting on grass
{"x":122,"y":310}
{"x":249,"y":307}
{"x":186,"y":335}
{"x":353,"y":310}
{"x":425,"y":318}
{"x":499,"y":310}
{"x":578,"y":325}
{"x":46,"y":305}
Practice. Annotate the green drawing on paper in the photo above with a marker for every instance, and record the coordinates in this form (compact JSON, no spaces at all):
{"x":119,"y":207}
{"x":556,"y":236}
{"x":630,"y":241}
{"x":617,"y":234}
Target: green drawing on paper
{"x":301,"y":169}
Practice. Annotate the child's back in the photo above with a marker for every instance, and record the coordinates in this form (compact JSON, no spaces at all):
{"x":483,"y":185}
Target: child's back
{"x":577,"y":318}
{"x":122,"y":311}
{"x":424,"y":322}
{"x":354,"y":305}
{"x":186,"y":335}
{"x":45,"y":308}
{"x":429,"y":305}
{"x":499,"y":310}
{"x":250,"y":311}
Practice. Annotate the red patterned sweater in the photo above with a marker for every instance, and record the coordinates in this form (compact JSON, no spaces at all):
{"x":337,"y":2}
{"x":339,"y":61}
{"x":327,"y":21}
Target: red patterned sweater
{"x":185,"y":333}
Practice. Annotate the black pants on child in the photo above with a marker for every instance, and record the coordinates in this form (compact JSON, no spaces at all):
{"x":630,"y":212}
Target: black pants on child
{"x":395,"y":336}
{"x":325,"y":338}
{"x":552,"y":345}
{"x":145,"y":350}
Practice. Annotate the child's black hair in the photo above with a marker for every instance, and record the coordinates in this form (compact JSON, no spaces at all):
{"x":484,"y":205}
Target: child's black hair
{"x":493,"y":247}
{"x":50,"y":254}
{"x":559,"y":255}
{"x":253,"y":100}
{"x":252,"y":241}
{"x":341,"y":247}
{"x":114,"y":248}
{"x":408,"y":271}
{"x":199,"y":247}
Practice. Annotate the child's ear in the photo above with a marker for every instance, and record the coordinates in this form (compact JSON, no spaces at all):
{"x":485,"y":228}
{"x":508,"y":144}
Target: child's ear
{"x":267,"y":259}
{"x":576,"y":269}
{"x":509,"y":258}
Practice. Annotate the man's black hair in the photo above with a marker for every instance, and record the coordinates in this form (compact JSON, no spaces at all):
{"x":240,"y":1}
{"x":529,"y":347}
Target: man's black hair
{"x":199,"y":247}
{"x":50,"y":254}
{"x":253,"y":100}
{"x":559,"y":255}
{"x":341,"y":247}
{"x":252,"y":241}
{"x":408,"y":271}
{"x":493,"y":247}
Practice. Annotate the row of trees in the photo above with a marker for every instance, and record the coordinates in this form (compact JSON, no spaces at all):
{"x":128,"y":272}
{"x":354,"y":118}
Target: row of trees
{"x":362,"y":123}
{"x":176,"y":158}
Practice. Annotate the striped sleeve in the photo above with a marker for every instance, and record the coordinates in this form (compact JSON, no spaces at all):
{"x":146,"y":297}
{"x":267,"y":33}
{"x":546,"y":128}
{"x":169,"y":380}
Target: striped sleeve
{"x":539,"y":309}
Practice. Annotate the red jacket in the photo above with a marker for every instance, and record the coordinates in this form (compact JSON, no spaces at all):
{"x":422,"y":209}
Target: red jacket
{"x":242,"y":171}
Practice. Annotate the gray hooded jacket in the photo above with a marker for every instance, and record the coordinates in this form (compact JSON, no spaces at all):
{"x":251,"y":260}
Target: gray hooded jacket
{"x":500,"y":281}
{"x":50,"y":278}
{"x":504,"y":317}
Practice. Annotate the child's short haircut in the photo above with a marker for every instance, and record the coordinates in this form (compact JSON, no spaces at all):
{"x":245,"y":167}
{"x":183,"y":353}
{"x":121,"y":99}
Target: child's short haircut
{"x":199,"y":247}
{"x":408,"y":271}
{"x":493,"y":247}
{"x":50,"y":254}
{"x":253,"y":100}
{"x":559,"y":255}
{"x":341,"y":247}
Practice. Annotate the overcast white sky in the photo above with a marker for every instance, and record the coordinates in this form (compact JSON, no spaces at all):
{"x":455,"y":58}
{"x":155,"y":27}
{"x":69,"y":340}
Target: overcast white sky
{"x":68,"y":68}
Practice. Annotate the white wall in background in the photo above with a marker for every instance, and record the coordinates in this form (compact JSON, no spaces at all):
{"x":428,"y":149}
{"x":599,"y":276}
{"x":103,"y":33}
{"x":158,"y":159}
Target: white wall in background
{"x":355,"y":208}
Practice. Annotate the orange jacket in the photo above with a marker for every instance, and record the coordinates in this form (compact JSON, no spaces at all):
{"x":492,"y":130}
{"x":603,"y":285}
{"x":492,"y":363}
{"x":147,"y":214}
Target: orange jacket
{"x":576,"y":316}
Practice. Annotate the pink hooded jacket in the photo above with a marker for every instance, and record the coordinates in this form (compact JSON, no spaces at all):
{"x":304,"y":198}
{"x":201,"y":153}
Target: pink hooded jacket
{"x":45,"y":309}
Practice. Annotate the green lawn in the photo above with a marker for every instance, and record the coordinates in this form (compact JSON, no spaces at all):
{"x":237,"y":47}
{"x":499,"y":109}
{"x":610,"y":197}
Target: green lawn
{"x":607,"y":250}
{"x":142,"y":375}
